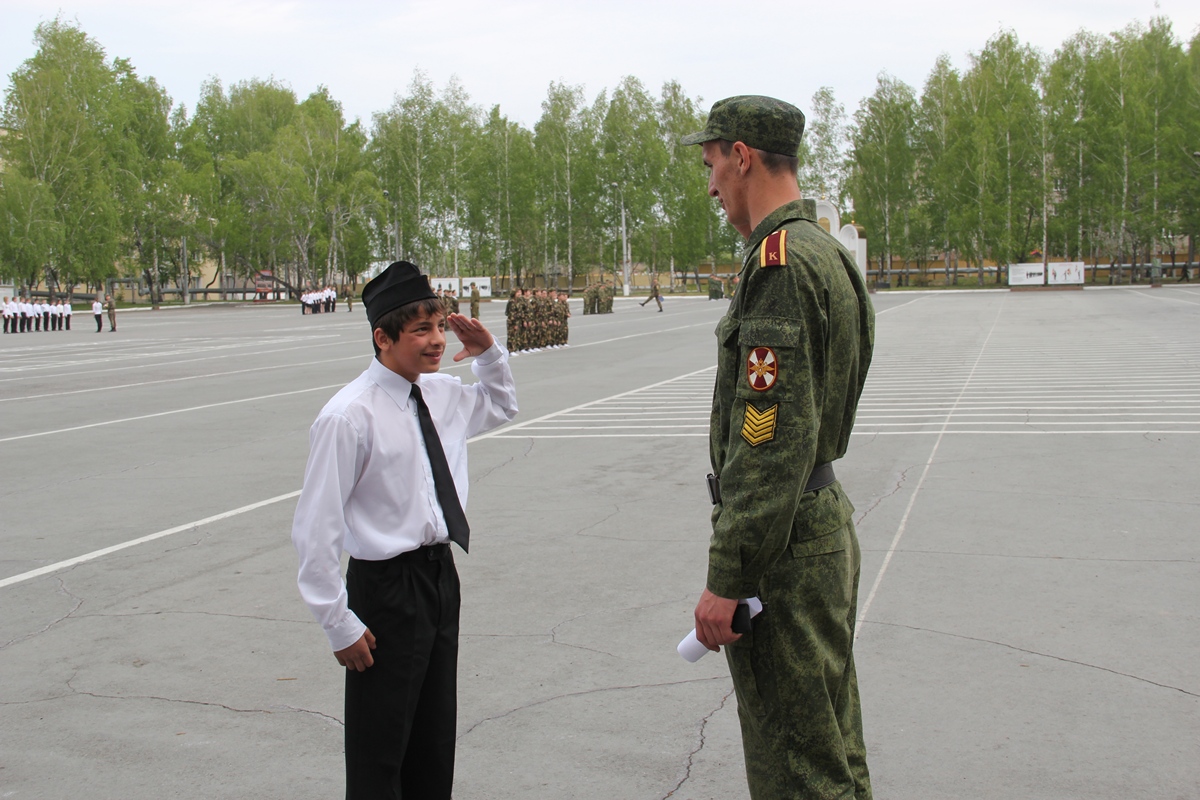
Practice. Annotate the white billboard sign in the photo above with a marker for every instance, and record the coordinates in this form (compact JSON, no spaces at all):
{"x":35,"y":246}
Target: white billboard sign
{"x":1026,"y":275}
{"x":1065,"y":272}
{"x":484,"y":285}
{"x":441,"y":284}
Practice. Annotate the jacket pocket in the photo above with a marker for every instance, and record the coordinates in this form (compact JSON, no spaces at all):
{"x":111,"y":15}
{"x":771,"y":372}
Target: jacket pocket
{"x":767,"y":347}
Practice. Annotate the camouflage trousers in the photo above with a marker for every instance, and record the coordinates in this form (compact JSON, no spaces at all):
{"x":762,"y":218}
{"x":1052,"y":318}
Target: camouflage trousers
{"x":794,"y":675}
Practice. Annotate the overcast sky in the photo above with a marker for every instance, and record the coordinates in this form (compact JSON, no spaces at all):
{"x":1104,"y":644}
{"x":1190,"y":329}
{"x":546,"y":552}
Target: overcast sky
{"x":508,"y":52}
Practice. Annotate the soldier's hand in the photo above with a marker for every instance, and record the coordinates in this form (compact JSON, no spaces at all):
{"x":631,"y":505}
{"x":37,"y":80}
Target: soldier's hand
{"x":474,"y":337}
{"x":358,"y":655}
{"x":714,"y":621}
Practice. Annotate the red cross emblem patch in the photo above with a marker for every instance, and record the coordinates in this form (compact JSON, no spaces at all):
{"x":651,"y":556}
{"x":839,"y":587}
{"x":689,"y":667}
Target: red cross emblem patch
{"x":762,"y":368}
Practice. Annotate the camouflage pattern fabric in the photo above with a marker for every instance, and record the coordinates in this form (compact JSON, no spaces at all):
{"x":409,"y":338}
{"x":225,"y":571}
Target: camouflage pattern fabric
{"x":474,"y":302}
{"x":512,"y":313}
{"x":763,"y":123}
{"x":793,"y":353}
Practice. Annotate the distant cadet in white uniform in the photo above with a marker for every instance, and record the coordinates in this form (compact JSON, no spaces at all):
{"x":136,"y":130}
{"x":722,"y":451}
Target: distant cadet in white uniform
{"x":6,"y":310}
{"x":98,"y":313}
{"x":386,"y":482}
{"x":67,"y":312}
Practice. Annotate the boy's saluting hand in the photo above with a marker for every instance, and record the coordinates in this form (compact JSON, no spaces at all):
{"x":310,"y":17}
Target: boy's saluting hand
{"x":474,"y":337}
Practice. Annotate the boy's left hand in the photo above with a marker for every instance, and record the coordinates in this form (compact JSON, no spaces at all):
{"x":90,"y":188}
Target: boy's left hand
{"x":474,"y":337}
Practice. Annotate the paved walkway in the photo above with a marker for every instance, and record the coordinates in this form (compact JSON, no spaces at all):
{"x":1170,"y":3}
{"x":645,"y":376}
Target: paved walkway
{"x":1023,"y":469}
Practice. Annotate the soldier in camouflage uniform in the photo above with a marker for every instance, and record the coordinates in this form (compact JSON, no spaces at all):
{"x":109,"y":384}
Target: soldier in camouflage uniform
{"x":588,"y":294}
{"x":540,"y":316}
{"x":793,"y":353}
{"x":513,"y":318}
{"x":474,"y":301}
{"x":564,"y":312}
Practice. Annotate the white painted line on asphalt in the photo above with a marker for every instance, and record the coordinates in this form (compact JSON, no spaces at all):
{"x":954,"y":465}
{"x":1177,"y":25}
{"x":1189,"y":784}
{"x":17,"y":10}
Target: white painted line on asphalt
{"x":902,"y":305}
{"x":619,"y":338}
{"x":189,"y":526}
{"x":508,"y":431}
{"x":1156,"y":296}
{"x":304,"y":364}
{"x":169,"y":413}
{"x":887,"y":559}
{"x":172,"y":363}
{"x":937,"y":432}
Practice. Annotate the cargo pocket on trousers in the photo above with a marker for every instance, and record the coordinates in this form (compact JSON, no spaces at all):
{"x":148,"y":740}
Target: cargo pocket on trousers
{"x":745,"y":657}
{"x":834,"y":542}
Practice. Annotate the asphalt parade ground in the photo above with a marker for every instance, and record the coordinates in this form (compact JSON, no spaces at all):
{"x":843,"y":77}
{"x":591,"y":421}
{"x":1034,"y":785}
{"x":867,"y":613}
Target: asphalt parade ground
{"x":1024,"y":469}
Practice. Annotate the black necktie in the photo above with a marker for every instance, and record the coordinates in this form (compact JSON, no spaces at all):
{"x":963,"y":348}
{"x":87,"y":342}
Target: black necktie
{"x":443,"y":481}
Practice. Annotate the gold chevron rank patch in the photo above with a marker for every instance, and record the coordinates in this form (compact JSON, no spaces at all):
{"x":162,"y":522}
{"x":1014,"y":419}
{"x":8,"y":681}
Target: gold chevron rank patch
{"x":759,"y":426}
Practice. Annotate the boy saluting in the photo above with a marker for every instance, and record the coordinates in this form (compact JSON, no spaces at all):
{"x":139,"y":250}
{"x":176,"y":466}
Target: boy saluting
{"x":386,"y":481}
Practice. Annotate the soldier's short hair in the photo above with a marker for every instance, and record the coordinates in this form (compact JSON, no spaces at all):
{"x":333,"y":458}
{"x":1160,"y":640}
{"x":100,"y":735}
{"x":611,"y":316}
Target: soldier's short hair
{"x":775,"y":163}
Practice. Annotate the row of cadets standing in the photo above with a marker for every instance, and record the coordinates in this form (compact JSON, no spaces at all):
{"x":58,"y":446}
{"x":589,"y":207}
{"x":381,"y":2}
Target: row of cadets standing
{"x":449,"y":299}
{"x":23,"y":316}
{"x":598,"y":298}
{"x":317,"y":300}
{"x":537,"y":320}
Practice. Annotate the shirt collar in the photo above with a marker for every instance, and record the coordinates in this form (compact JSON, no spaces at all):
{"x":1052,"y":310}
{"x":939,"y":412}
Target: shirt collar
{"x":397,"y":386}
{"x":797,"y":209}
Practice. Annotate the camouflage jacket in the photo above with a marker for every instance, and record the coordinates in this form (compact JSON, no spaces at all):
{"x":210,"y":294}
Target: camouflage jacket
{"x":793,"y":352}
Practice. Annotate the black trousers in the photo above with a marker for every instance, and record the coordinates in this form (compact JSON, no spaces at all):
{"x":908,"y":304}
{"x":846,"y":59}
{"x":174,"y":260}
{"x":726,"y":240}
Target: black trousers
{"x":99,"y":323}
{"x":401,"y":712}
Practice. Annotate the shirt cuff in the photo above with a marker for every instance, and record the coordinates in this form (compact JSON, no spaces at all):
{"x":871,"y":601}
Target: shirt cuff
{"x":491,"y":355}
{"x":346,"y":632}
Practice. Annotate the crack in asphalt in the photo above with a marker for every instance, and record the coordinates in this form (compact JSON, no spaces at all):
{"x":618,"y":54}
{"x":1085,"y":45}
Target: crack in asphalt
{"x":62,"y":588}
{"x":554,"y":638}
{"x":692,"y":755}
{"x":160,"y":698}
{"x":509,"y":460}
{"x":584,"y":693}
{"x":899,"y":485}
{"x":1051,"y":656}
{"x":329,"y":717}
{"x":616,"y":510}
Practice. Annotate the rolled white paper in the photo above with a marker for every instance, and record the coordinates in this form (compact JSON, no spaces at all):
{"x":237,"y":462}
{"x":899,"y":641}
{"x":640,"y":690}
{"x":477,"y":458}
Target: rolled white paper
{"x":692,"y":650}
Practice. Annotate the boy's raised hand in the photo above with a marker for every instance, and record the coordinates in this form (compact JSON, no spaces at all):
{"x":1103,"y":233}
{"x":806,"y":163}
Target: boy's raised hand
{"x":474,"y":337}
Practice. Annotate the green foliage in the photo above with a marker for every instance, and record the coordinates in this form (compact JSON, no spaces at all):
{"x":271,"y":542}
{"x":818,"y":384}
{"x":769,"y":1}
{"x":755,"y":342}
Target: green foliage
{"x":1086,"y":152}
{"x":1080,"y":154}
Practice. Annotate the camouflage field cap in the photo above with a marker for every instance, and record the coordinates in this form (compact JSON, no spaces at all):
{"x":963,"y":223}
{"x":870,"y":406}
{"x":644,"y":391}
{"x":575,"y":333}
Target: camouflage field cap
{"x":763,"y":123}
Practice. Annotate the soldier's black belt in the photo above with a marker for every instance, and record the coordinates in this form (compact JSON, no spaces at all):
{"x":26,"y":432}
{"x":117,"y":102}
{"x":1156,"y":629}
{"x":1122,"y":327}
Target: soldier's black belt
{"x":821,"y":476}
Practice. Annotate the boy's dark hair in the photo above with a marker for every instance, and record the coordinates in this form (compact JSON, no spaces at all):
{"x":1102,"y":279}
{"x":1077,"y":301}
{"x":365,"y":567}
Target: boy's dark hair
{"x":394,"y":321}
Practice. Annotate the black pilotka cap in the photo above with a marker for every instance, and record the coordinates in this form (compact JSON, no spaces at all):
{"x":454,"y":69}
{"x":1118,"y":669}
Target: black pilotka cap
{"x":398,"y":285}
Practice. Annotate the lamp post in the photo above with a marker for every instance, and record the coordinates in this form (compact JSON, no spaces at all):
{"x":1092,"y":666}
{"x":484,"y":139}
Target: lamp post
{"x":395,"y":245}
{"x":624,"y":241}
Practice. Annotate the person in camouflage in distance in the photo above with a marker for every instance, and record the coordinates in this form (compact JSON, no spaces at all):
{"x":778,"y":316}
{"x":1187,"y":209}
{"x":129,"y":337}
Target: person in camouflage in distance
{"x":543,"y":319}
{"x":474,"y":301}
{"x":513,"y":319}
{"x":655,"y":294}
{"x":792,"y":357}
{"x":565,"y":312}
